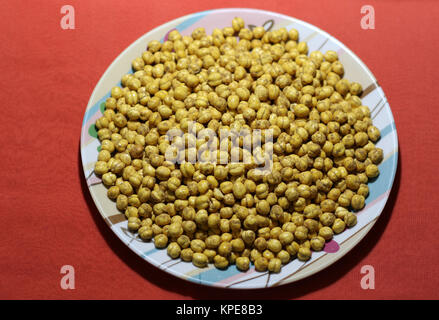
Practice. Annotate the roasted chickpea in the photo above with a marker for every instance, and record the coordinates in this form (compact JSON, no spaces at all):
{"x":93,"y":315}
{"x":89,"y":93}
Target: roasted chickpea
{"x":372,"y":171}
{"x":326,"y":233}
{"x":174,"y":250}
{"x":274,"y":265}
{"x":220,"y":262}
{"x":243,"y":263}
{"x":207,"y":199}
{"x":160,"y":241}
{"x":200,"y":260}
{"x":317,"y":243}
{"x":261,"y":264}
{"x":303,"y":254}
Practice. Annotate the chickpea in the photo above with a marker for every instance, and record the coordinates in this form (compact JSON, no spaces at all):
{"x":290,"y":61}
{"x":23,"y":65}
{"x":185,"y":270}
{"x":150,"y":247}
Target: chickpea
{"x":113,"y":192}
{"x":202,"y":202}
{"x":163,"y":219}
{"x":101,"y":167}
{"x":352,"y":182}
{"x":199,"y":260}
{"x":376,"y":155}
{"x":317,"y":243}
{"x":263,"y":207}
{"x":301,"y":233}
{"x":258,"y":32}
{"x":162,"y":173}
{"x":292,"y":194}
{"x":326,"y":233}
{"x":292,"y":248}
{"x":160,"y":241}
{"x":261,"y":264}
{"x":182,"y":192}
{"x":210,"y":254}
{"x":237,"y":24}
{"x":331,"y":56}
{"x":284,"y":256}
{"x":198,"y":245}
{"x":248,"y":236}
{"x":327,"y":218}
{"x":286,"y":238}
{"x":187,"y":254}
{"x":121,"y":202}
{"x":312,"y":211}
{"x":220,"y":262}
{"x":357,"y":202}
{"x":173,"y":183}
{"x":133,"y":223}
{"x":260,"y":243}
{"x":187,"y":169}
{"x":238,"y":245}
{"x":338,"y":226}
{"x":174,"y":250}
{"x":175,"y":230}
{"x":274,"y":245}
{"x":132,"y":212}
{"x":213,"y":241}
{"x":145,"y":233}
{"x":356,"y":88}
{"x":239,"y":190}
{"x":372,"y":171}
{"x":243,"y":263}
{"x":350,"y":219}
{"x":303,"y":254}
{"x":275,"y":265}
{"x":226,"y":237}
{"x":328,"y":205}
{"x":361,"y":139}
{"x":225,"y":248}
{"x":254,"y":254}
{"x":363,"y":190}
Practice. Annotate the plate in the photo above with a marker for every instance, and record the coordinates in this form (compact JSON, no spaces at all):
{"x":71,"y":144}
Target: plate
{"x":355,"y":70}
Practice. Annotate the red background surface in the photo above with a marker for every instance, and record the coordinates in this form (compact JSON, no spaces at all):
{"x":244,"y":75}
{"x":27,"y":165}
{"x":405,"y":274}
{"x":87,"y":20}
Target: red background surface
{"x":49,"y":220}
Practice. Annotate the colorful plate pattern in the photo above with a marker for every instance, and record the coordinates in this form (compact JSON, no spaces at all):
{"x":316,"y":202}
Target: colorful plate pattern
{"x":317,"y":39}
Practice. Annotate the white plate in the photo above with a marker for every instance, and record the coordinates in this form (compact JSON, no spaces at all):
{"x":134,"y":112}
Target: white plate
{"x":355,"y":70}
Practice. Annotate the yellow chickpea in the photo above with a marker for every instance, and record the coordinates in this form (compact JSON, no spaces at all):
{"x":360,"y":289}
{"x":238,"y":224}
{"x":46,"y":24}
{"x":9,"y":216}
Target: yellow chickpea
{"x":187,"y":255}
{"x":275,"y":265}
{"x":372,"y":171}
{"x":274,"y":245}
{"x":220,"y":262}
{"x":225,"y":248}
{"x":326,"y":233}
{"x":200,"y":260}
{"x":338,"y":226}
{"x":160,"y":241}
{"x":357,"y":202}
{"x":243,"y":263}
{"x":261,"y":264}
{"x":303,"y":254}
{"x":350,"y":219}
{"x":317,"y":243}
{"x":174,"y":250}
{"x":286,"y":238}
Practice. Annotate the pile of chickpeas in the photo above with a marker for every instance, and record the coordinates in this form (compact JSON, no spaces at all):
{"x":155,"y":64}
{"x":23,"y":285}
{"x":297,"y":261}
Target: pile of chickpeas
{"x":323,"y":148}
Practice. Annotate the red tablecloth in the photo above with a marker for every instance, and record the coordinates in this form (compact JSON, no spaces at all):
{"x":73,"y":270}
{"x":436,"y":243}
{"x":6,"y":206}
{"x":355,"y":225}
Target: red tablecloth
{"x":47,"y":217}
